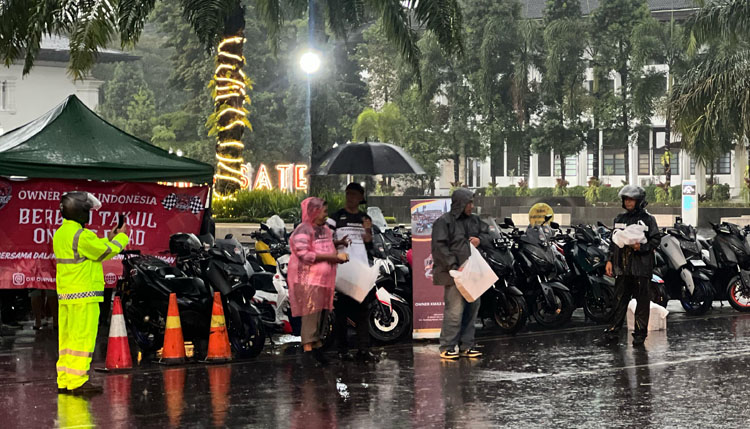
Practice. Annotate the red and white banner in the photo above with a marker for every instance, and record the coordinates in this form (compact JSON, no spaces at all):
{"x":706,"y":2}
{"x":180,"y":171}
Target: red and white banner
{"x":30,"y":215}
{"x":428,"y":298}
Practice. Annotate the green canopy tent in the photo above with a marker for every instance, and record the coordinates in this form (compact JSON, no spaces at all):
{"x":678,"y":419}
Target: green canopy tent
{"x":72,"y":142}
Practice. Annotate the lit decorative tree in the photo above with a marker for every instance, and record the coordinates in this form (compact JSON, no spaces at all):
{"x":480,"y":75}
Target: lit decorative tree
{"x":229,"y":120}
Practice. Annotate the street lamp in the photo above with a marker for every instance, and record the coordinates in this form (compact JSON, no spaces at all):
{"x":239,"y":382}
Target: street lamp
{"x":310,"y":62}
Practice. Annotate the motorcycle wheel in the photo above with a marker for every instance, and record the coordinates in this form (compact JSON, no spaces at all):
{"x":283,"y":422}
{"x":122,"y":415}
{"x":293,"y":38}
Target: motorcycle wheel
{"x":550,"y":319}
{"x":513,"y":321}
{"x":739,"y":298}
{"x":698,"y":307}
{"x":327,"y":325}
{"x":389,"y":333}
{"x":247,"y":337}
{"x":599,"y":309}
{"x":148,"y":337}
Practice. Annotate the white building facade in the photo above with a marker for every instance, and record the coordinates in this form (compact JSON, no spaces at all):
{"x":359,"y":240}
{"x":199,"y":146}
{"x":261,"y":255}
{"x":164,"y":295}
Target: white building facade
{"x":25,"y":98}
{"x":644,"y":166}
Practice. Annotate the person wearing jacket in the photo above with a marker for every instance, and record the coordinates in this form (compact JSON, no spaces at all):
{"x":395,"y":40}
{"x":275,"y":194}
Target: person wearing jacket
{"x":452,"y":234}
{"x":632,"y":267}
{"x":79,"y":254}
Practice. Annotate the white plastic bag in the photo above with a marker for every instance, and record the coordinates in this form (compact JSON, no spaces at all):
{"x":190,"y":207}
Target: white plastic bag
{"x":475,"y":276}
{"x":355,"y":279}
{"x":657,"y":318}
{"x":630,"y":235}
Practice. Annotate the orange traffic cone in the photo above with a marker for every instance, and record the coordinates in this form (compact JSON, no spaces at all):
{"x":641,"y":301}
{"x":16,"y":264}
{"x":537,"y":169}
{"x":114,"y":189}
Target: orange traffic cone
{"x":174,"y":345}
{"x":218,"y":340}
{"x":118,"y":350}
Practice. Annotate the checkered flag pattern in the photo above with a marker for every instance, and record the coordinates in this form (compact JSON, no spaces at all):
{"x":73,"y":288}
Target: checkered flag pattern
{"x":173,"y":200}
{"x":170,"y":201}
{"x":195,"y":205}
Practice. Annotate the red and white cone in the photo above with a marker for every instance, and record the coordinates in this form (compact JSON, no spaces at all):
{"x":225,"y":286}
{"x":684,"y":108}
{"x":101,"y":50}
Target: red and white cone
{"x":118,"y":350}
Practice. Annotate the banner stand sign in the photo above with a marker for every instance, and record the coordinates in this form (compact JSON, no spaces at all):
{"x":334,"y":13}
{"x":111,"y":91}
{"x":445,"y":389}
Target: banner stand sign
{"x":689,"y":203}
{"x":428,"y":298}
{"x":30,"y":215}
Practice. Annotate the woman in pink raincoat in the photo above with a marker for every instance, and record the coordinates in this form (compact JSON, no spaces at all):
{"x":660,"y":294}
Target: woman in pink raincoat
{"x":312,"y":272}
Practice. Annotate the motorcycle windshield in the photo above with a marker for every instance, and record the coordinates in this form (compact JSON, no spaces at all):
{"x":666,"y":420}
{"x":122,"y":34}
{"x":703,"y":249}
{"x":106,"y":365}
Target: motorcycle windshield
{"x":230,"y":250}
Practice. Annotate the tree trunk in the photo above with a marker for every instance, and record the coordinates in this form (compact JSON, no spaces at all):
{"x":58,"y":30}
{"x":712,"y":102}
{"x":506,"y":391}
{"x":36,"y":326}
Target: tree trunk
{"x":625,"y":124}
{"x":229,"y":101}
{"x":562,"y":167}
{"x":318,"y":99}
{"x":456,"y":169}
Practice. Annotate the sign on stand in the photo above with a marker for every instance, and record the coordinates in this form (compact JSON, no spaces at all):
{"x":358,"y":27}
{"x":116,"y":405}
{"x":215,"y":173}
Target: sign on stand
{"x":428,"y":298}
{"x":689,"y":202}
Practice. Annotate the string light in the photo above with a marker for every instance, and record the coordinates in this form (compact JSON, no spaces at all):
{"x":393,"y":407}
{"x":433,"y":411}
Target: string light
{"x":224,"y":96}
{"x":231,"y":110}
{"x":232,"y":56}
{"x":230,"y":160}
{"x":232,"y":144}
{"x":236,"y":39}
{"x":230,"y":169}
{"x":232,"y":125}
{"x":229,"y":79}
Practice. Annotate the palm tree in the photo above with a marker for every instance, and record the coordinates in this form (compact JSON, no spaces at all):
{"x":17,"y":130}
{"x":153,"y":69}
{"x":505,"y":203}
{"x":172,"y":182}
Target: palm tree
{"x":712,"y":100}
{"x":219,"y":24}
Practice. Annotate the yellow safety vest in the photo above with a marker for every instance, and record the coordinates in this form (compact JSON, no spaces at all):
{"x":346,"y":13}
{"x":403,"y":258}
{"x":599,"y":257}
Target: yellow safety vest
{"x":79,"y":253}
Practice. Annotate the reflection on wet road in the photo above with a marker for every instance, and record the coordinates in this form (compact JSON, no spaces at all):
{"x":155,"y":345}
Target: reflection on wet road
{"x":692,"y":375}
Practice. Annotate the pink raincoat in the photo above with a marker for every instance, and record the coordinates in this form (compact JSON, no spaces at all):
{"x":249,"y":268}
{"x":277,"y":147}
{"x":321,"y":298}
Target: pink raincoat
{"x":311,"y":284}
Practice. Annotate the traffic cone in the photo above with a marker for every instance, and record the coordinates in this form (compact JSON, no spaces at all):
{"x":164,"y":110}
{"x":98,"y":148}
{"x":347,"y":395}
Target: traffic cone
{"x":174,"y":345}
{"x":118,"y":350}
{"x":219,"y":349}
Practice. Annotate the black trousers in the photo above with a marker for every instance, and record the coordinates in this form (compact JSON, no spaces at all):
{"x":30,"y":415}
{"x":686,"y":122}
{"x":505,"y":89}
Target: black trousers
{"x":627,"y":288}
{"x":347,"y":308}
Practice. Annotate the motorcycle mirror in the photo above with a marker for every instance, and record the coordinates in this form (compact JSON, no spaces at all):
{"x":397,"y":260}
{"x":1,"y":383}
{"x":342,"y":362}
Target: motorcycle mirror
{"x":228,"y":237}
{"x":599,"y":223}
{"x":554,"y":225}
{"x":508,"y":221}
{"x":264,"y":227}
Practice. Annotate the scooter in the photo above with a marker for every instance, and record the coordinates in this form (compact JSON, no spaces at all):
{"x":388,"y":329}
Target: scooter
{"x":536,"y":270}
{"x":202,"y":268}
{"x":592,"y":289}
{"x":729,"y":260}
{"x":503,"y":302}
{"x":679,"y":262}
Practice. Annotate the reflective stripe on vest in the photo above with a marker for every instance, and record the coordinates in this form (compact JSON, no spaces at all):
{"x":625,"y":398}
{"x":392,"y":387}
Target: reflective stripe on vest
{"x":79,"y":295}
{"x":76,"y":238}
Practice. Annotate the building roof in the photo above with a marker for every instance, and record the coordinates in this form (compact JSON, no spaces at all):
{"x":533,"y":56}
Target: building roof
{"x":659,"y":8}
{"x":57,"y":48}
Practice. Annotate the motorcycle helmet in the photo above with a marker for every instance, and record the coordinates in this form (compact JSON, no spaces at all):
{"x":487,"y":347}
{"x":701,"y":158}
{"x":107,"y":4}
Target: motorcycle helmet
{"x":182,"y":244}
{"x":635,"y":192}
{"x":76,"y":206}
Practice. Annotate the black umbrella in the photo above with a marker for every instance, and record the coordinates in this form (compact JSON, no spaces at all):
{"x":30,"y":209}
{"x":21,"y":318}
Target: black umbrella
{"x":367,"y":159}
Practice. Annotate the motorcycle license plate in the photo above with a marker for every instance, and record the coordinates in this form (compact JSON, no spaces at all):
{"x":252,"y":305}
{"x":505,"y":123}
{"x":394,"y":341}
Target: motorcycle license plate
{"x":697,"y":263}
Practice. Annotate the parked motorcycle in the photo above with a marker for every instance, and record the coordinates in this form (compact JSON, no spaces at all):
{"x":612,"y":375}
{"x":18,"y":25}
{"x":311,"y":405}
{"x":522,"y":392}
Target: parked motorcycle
{"x":592,"y":289}
{"x":148,"y":282}
{"x":538,"y":276}
{"x":729,"y":260}
{"x":503,"y":302}
{"x":679,"y":262}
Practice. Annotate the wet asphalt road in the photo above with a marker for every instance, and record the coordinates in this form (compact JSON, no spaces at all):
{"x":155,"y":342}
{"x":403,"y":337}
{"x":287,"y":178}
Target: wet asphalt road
{"x":692,"y":375}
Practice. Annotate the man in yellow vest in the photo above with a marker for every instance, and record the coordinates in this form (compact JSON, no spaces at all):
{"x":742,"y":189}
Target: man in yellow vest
{"x":80,"y":288}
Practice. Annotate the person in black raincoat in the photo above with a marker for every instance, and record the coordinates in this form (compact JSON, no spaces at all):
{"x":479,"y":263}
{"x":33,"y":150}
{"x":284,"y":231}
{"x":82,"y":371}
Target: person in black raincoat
{"x":632,"y":267}
{"x":452,"y":234}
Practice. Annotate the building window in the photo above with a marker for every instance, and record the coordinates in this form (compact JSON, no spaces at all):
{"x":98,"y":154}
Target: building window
{"x":7,"y":99}
{"x":571,"y":166}
{"x":614,"y":163}
{"x":643,"y":167}
{"x":544,"y":164}
{"x":590,"y":164}
{"x":674,"y":164}
{"x":723,"y":165}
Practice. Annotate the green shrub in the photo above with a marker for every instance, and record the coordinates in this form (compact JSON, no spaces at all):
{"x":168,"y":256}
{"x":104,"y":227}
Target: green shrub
{"x":720,"y":193}
{"x":261,"y":204}
{"x":609,"y":194}
{"x":661,"y":196}
{"x":651,"y":193}
{"x":507,"y":191}
{"x":541,"y":192}
{"x":577,"y":191}
{"x":675,"y":192}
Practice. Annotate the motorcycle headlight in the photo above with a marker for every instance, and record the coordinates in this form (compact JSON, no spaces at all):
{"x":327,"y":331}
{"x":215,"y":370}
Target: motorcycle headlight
{"x":283,"y":268}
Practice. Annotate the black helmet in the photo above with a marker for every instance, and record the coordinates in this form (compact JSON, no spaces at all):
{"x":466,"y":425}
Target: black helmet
{"x":635,"y":192}
{"x":76,"y":206}
{"x":182,"y":244}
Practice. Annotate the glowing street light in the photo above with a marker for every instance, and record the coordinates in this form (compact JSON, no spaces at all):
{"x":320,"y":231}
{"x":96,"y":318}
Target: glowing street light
{"x":310,"y":62}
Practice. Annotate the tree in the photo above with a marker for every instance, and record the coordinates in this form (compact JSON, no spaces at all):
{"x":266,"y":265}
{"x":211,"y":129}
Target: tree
{"x":711,"y":101}
{"x":613,"y":23}
{"x":669,"y":43}
{"x":92,"y":26}
{"x":140,"y":115}
{"x":561,"y":128}
{"x":126,"y":82}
